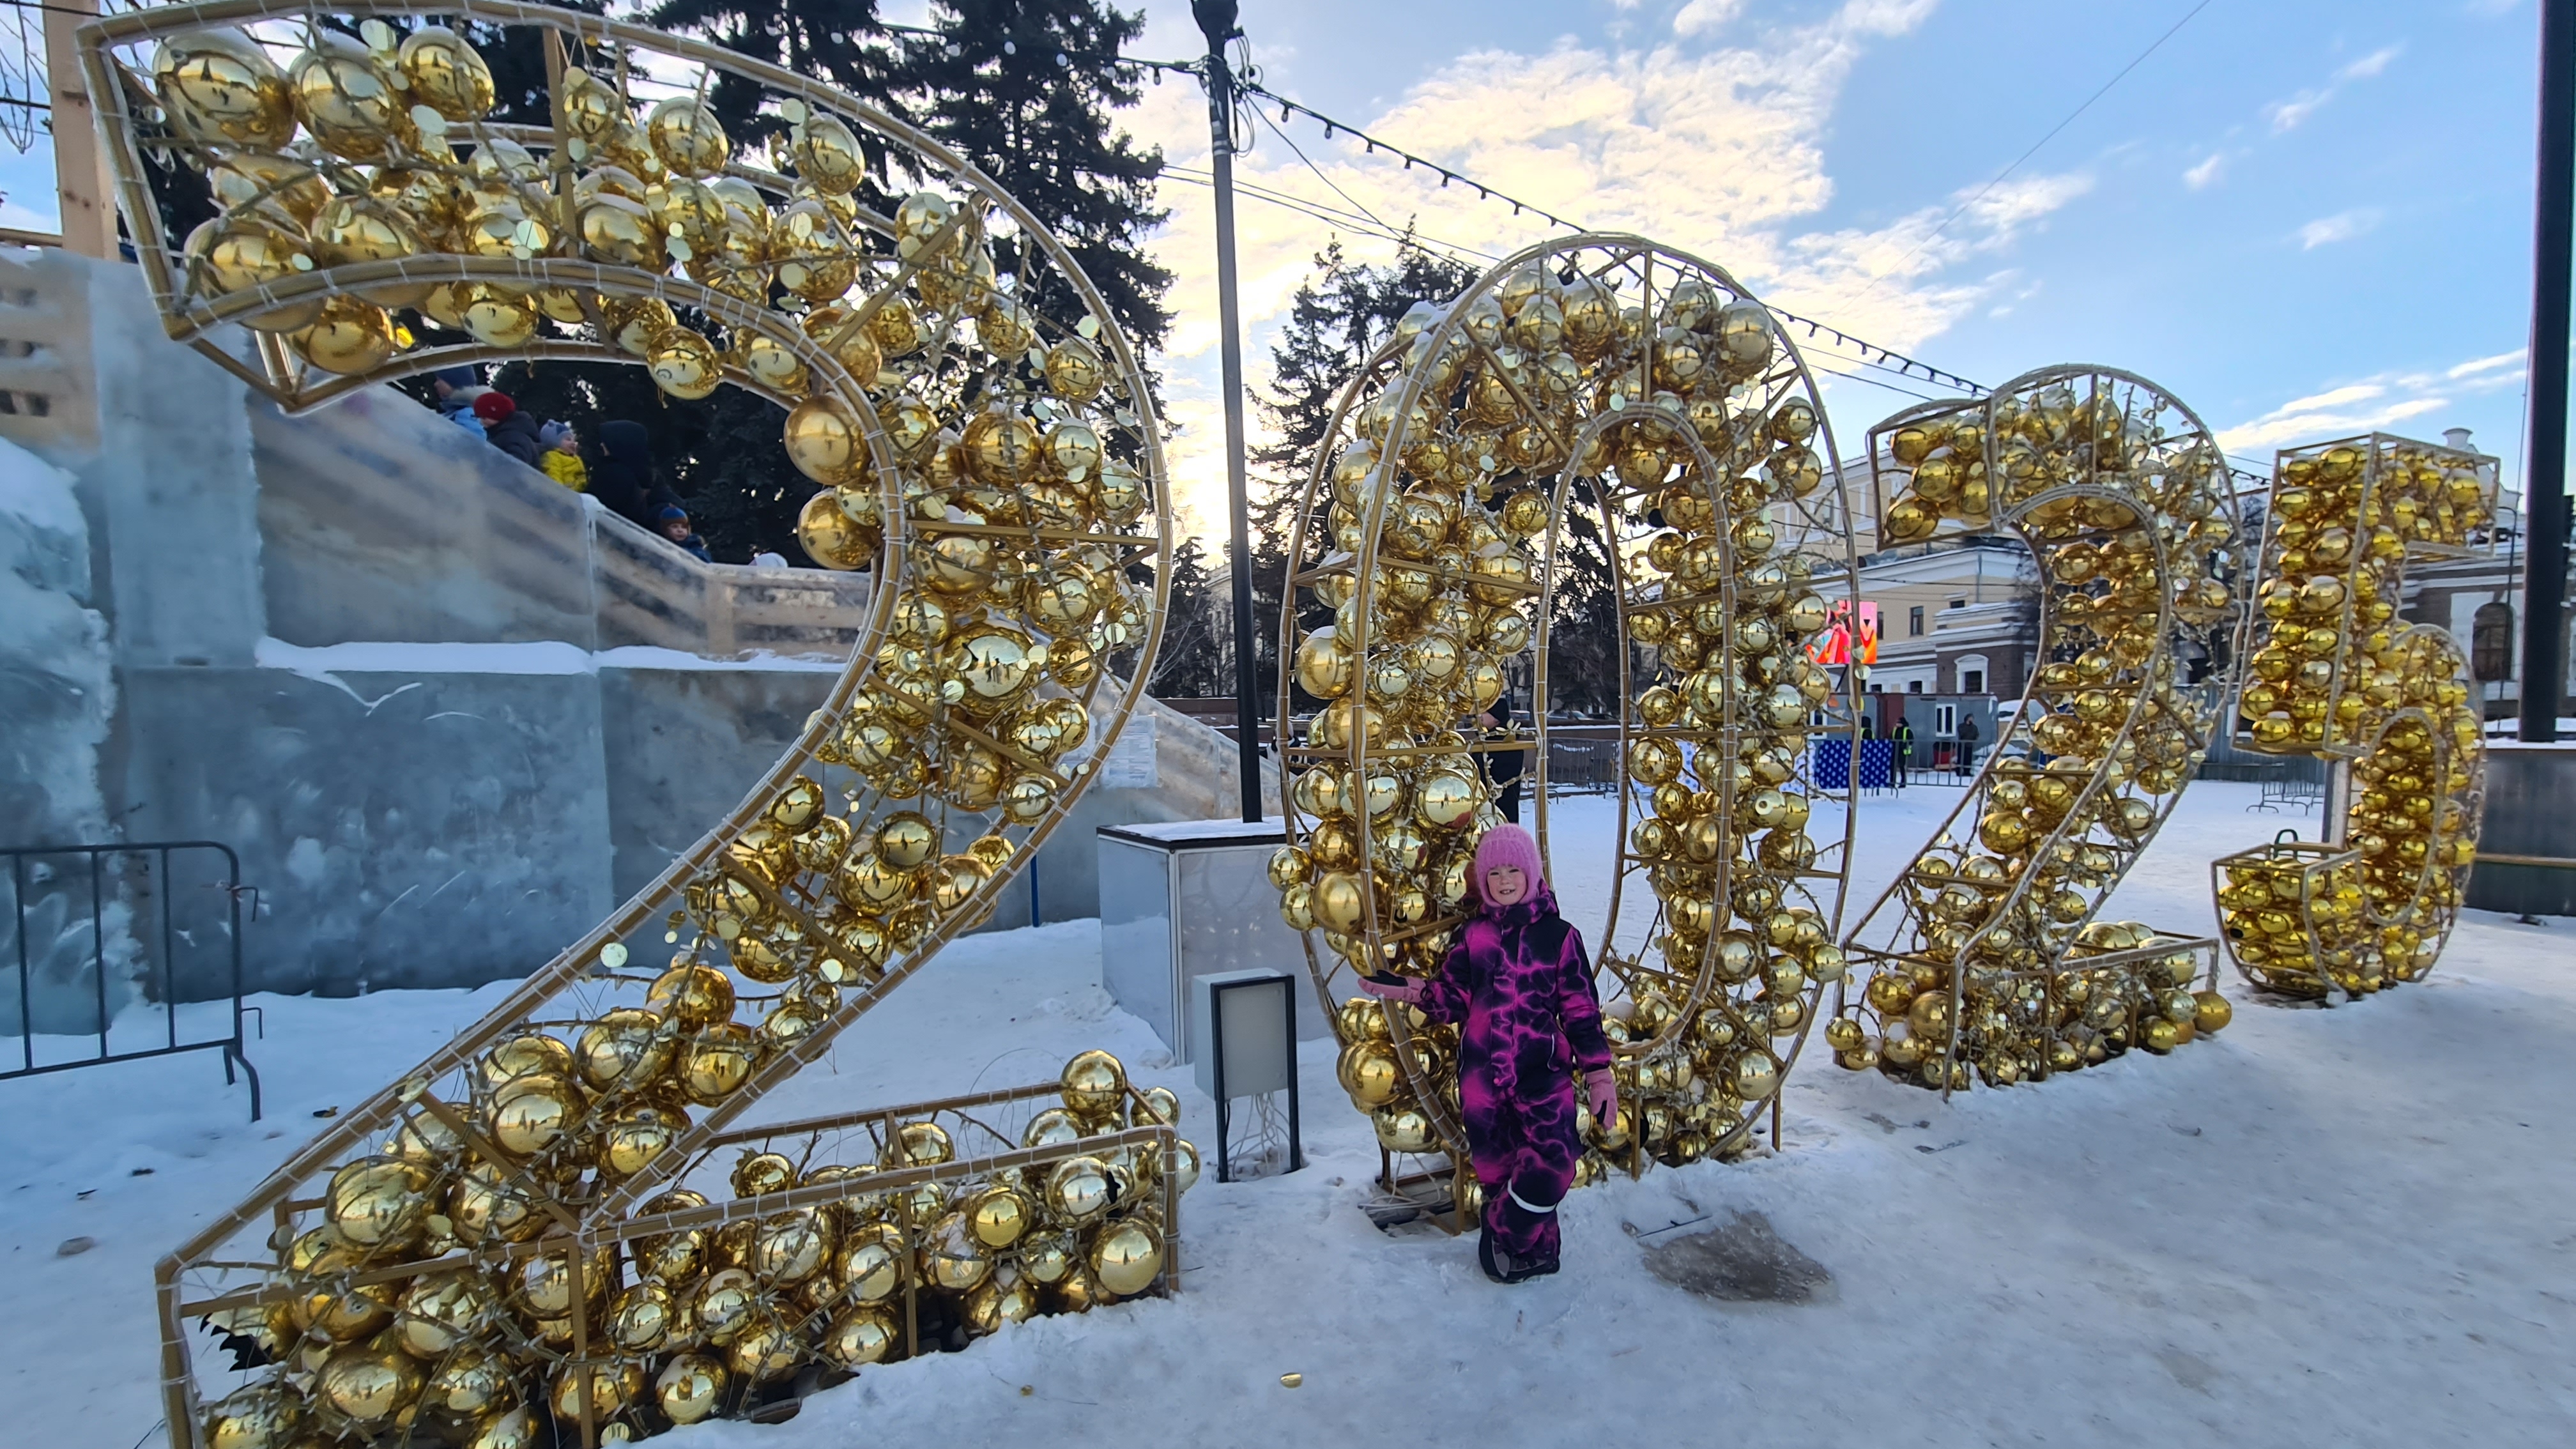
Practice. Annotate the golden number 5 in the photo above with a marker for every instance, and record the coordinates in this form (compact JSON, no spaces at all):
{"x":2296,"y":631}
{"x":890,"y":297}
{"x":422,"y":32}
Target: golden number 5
{"x":2334,"y":675}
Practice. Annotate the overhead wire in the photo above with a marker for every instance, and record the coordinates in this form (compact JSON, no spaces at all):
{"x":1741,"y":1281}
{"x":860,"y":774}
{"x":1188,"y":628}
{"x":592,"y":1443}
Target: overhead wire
{"x":1988,"y":189}
{"x":1887,"y":359}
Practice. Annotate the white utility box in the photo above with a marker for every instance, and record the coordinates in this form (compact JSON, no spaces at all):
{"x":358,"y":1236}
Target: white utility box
{"x":1190,"y":898}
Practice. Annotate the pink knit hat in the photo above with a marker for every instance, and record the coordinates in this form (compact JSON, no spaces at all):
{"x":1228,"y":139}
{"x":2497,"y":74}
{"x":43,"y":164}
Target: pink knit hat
{"x":1507,"y":845}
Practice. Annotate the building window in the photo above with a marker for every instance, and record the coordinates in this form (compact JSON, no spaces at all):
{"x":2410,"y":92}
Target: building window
{"x":1914,"y":686}
{"x":1960,"y":602}
{"x":1945,"y":719}
{"x":1972,"y":681}
{"x":1914,"y":620}
{"x":1878,"y":689}
{"x":2491,"y":642}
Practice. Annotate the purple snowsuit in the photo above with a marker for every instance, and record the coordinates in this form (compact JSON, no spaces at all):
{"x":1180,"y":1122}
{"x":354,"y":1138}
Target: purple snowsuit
{"x":1519,"y":988}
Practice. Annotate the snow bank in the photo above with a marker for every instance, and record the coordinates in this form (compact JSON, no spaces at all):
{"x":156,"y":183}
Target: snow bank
{"x":324,"y":662}
{"x":2339,"y":1227}
{"x":57,"y":697}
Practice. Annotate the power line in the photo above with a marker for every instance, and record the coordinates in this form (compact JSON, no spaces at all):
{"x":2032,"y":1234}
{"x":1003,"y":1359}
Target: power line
{"x":1988,"y":188}
{"x":1325,"y":213}
{"x":1887,"y":359}
{"x":1374,"y":144}
{"x":1319,"y":171}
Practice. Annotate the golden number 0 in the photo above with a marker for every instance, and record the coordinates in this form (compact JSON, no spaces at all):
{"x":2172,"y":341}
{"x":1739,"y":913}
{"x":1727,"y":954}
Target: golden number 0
{"x":1984,"y":960}
{"x":1606,"y":384}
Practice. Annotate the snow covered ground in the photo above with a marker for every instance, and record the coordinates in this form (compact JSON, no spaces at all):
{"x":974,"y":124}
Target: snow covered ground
{"x":2321,"y":1227}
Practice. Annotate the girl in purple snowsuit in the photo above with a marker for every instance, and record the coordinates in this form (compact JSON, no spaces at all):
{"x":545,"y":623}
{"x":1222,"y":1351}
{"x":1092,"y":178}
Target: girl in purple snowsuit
{"x":1519,"y":988}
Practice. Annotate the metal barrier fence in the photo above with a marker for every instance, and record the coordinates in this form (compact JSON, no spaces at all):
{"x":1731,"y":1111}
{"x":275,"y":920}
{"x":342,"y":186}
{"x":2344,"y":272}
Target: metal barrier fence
{"x":1582,"y":767}
{"x":2226,"y":762}
{"x":158,"y":922}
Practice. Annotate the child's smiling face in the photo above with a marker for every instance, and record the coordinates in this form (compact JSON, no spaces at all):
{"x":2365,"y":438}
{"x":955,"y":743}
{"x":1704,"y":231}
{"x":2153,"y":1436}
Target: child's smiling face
{"x":1505,"y":885}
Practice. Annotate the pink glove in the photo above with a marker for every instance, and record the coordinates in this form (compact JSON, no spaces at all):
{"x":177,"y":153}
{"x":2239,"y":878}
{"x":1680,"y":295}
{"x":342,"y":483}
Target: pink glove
{"x":1408,"y":992}
{"x":1601,"y":1092}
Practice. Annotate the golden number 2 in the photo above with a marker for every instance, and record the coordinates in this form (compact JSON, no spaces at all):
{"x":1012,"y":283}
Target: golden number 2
{"x":1985,"y":961}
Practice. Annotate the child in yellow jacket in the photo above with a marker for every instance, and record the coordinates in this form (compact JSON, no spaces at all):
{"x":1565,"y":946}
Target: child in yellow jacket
{"x":562,"y":456}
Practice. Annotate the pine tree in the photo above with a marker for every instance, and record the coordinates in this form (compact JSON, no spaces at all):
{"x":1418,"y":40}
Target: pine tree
{"x":1025,"y":89}
{"x":1192,"y":661}
{"x":1342,"y":313}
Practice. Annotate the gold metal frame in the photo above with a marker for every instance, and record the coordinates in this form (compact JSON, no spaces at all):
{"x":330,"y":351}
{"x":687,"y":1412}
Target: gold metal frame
{"x":2341,"y":948}
{"x":584,"y":975}
{"x":1820,"y":524}
{"x":1895,"y":934}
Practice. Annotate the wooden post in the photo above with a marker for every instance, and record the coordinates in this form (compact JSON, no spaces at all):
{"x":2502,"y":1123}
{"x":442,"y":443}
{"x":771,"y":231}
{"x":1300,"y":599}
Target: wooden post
{"x":81,"y":175}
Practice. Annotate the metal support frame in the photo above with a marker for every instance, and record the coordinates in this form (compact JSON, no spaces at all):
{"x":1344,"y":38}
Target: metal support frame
{"x":1821,"y":519}
{"x":231,"y":1045}
{"x":577,"y":1244}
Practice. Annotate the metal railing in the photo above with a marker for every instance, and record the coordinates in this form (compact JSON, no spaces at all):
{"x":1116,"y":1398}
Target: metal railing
{"x":136,"y":920}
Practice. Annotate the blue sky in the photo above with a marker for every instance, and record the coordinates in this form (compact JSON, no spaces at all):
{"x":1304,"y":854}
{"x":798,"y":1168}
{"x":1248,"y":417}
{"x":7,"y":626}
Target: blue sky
{"x":2303,"y":217}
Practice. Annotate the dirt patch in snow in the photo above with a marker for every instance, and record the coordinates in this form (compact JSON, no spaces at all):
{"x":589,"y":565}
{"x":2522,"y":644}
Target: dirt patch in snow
{"x":1744,"y":1261}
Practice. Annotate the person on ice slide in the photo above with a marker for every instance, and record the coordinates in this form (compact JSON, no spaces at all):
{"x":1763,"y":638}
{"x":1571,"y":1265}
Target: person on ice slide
{"x":1518,"y":986}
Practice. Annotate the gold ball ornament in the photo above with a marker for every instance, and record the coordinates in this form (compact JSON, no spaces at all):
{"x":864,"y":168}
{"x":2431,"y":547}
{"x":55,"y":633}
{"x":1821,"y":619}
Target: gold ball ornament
{"x":591,"y":109}
{"x":528,"y":1114}
{"x":348,"y":100}
{"x":369,"y":1386}
{"x":347,"y":337}
{"x":999,"y":1217}
{"x":218,"y":86}
{"x":618,"y":231}
{"x":508,"y":1429}
{"x":951,"y":1258}
{"x":1078,"y":1191}
{"x":1094,"y":1083}
{"x":690,"y":1387}
{"x":831,"y":538}
{"x":500,"y":318}
{"x":2211,"y":1011}
{"x":1181,"y":1165}
{"x":636,"y":1135}
{"x":258,"y":1416}
{"x":352,"y":230}
{"x":919,"y":1144}
{"x":684,"y":364}
{"x":623,"y":1050}
{"x":446,"y":74}
{"x":827,"y":156}
{"x":907,"y":840}
{"x":469,"y":1381}
{"x":872,"y":1266}
{"x":1402,"y":1128}
{"x":378,"y":1203}
{"x":686,"y":137}
{"x":237,"y":253}
{"x":1126,"y":1257}
{"x":613,"y":1386}
{"x":859,"y":1337}
{"x":1074,"y":370}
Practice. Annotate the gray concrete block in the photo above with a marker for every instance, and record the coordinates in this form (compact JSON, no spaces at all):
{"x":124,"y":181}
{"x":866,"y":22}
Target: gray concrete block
{"x":403,"y":830}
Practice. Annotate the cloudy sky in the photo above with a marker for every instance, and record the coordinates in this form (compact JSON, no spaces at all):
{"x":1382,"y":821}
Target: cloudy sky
{"x":2304,"y":217}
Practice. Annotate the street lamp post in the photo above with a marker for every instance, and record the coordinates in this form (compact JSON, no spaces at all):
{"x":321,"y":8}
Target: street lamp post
{"x":1216,"y":19}
{"x":2544,"y":579}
